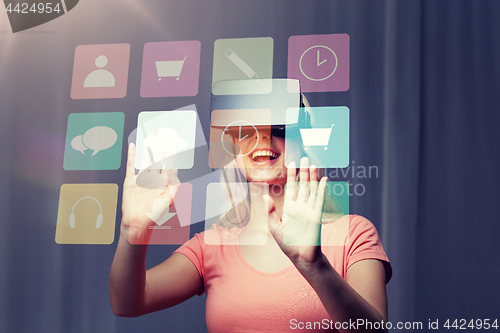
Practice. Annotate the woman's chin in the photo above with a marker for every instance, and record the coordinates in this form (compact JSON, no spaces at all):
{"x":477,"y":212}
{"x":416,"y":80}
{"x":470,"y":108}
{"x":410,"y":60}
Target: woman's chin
{"x":267,"y":175}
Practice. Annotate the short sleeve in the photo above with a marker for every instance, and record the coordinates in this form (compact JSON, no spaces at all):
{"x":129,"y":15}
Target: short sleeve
{"x":364,"y":243}
{"x":193,"y":249}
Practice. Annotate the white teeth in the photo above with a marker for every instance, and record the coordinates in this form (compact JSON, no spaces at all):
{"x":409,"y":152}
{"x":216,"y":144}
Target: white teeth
{"x":264,"y":153}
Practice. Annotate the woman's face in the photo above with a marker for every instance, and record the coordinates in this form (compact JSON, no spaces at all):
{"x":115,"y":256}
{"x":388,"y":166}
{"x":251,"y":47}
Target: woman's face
{"x":262,"y":156}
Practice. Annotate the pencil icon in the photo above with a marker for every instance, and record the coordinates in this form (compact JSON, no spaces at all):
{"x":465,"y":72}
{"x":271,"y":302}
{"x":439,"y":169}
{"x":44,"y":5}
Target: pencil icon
{"x":243,"y":66}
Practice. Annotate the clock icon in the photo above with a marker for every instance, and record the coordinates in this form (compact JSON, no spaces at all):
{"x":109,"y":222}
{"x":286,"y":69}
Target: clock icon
{"x":242,"y":135}
{"x":318,"y":63}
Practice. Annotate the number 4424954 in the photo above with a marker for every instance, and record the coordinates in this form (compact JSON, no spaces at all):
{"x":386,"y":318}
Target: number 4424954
{"x":462,"y":324}
{"x":40,"y":8}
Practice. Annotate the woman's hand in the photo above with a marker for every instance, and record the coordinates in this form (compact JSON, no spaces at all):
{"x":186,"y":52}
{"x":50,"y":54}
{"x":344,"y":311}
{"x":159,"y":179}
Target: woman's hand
{"x":151,"y":199}
{"x":298,"y":231}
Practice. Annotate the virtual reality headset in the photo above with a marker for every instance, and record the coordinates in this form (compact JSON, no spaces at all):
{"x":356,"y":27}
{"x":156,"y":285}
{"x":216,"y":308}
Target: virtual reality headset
{"x":236,"y":101}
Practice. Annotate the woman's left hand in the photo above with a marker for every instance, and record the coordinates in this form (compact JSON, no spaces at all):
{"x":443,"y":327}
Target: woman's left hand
{"x":298,"y":231}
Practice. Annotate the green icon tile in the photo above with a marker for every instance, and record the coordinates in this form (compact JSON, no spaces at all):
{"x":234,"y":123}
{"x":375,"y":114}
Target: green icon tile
{"x":325,"y":140}
{"x":241,"y":66}
{"x":94,"y":141}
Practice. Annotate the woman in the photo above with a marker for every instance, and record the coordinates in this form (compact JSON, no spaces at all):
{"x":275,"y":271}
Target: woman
{"x":285,"y":284}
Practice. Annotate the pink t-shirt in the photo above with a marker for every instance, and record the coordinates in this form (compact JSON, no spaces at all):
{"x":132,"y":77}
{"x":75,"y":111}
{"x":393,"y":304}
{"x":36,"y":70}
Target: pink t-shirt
{"x":241,"y":298}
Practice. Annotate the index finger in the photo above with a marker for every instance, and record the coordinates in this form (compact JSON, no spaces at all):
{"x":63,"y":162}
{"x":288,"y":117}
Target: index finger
{"x":291,"y":184}
{"x":304,"y":179}
{"x":320,"y":198}
{"x":130,"y":168}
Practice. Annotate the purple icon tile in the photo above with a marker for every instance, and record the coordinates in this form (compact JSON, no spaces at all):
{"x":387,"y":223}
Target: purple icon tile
{"x":320,"y":62}
{"x":170,"y":69}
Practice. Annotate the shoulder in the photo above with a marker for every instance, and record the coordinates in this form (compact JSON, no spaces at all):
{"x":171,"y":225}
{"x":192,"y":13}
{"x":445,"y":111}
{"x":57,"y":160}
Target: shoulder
{"x":340,"y":230}
{"x":358,"y":237}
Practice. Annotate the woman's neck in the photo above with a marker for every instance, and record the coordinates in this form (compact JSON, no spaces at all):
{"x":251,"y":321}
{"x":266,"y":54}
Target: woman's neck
{"x":259,"y":213}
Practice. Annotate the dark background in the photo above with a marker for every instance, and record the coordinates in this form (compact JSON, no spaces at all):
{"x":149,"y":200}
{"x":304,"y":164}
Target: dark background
{"x":424,"y":95}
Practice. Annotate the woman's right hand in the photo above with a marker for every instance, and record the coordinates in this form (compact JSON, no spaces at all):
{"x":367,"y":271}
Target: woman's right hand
{"x":157,"y":187}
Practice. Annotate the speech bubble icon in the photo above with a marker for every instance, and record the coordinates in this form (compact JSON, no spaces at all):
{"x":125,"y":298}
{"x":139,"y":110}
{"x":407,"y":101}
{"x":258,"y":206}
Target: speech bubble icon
{"x":77,"y":144}
{"x":99,"y":138}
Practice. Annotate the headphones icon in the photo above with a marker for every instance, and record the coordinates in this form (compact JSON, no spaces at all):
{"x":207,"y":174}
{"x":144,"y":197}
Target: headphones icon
{"x":98,"y":222}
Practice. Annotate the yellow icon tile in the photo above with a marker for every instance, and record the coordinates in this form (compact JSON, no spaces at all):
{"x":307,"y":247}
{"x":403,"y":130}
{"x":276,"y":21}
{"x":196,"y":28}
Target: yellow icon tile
{"x":87,"y":214}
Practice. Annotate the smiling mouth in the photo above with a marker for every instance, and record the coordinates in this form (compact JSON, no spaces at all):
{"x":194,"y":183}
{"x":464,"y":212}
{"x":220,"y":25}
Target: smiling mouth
{"x":261,"y":156}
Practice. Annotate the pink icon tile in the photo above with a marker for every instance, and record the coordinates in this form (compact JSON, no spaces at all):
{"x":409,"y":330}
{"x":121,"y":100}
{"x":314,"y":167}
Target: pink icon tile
{"x":320,"y":62}
{"x":100,"y":71}
{"x":170,"y":69}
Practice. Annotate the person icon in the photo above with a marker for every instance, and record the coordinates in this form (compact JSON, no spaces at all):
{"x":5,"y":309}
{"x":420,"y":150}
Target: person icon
{"x":100,"y":77}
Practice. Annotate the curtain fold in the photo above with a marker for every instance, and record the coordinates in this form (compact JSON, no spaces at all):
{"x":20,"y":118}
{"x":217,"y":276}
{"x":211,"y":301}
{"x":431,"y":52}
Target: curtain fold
{"x":401,"y":149}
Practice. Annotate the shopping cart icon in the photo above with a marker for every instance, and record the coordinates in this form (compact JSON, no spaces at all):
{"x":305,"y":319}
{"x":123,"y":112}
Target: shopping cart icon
{"x":169,"y":68}
{"x":316,"y":136}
